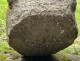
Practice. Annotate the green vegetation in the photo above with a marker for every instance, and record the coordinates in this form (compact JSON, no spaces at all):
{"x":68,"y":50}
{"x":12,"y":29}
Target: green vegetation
{"x":75,"y":48}
{"x":4,"y":48}
{"x":3,"y":57}
{"x":3,"y":9}
{"x":62,"y":57}
{"x":78,"y":14}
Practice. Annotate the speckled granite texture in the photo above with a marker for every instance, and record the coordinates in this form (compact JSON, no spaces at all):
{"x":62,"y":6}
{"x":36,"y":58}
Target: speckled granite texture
{"x":41,"y":27}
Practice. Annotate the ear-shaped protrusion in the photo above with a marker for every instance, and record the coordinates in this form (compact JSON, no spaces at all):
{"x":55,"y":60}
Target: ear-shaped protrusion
{"x":73,"y":6}
{"x":10,"y":2}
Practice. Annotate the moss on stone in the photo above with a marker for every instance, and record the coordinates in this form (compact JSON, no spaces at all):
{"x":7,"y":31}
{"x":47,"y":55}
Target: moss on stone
{"x":61,"y":57}
{"x":66,"y":59}
{"x":3,"y":57}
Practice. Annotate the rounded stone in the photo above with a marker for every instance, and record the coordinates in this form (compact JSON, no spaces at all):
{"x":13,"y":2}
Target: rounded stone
{"x":41,"y":27}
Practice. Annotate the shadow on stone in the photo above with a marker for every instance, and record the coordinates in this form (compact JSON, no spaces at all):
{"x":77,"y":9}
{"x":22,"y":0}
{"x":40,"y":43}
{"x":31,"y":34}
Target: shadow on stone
{"x":39,"y":58}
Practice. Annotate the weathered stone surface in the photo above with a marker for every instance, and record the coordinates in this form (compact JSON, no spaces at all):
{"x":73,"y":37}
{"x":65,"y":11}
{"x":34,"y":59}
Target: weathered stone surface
{"x":41,"y":27}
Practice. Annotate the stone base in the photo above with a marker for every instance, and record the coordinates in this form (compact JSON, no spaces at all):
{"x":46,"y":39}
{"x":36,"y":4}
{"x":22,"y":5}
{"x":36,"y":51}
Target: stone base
{"x":56,"y":57}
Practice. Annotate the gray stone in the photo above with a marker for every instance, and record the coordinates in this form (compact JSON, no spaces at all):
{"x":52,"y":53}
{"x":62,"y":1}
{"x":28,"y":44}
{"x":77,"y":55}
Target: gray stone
{"x":41,"y":27}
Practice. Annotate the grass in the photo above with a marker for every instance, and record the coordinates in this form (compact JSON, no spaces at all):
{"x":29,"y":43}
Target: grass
{"x":3,"y":9}
{"x":4,"y":47}
{"x":78,"y":14}
{"x":3,"y":57}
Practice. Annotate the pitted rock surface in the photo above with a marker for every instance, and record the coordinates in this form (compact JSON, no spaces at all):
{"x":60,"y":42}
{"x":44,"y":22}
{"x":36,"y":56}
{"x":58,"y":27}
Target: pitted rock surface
{"x":41,"y":27}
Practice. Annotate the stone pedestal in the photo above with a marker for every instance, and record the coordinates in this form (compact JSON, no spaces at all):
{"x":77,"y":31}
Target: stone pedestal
{"x":41,"y":27}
